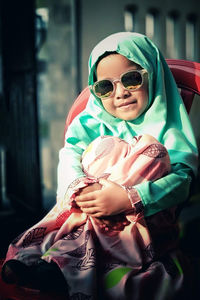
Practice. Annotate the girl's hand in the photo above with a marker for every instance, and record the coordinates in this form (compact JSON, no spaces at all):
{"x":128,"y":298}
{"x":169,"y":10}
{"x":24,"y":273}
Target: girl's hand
{"x":90,"y":188}
{"x":112,"y":199}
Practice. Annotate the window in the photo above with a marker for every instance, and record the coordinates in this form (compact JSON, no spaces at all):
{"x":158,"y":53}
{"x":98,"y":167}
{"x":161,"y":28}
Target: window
{"x":172,"y":35}
{"x":191,"y":37}
{"x":130,"y":18}
{"x":151,"y":24}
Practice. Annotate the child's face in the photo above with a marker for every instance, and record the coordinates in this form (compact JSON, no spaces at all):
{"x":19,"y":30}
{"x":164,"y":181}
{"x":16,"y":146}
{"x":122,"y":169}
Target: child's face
{"x":123,"y":104}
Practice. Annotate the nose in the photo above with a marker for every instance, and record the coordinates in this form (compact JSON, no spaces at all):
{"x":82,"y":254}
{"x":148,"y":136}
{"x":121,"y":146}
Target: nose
{"x":120,"y":91}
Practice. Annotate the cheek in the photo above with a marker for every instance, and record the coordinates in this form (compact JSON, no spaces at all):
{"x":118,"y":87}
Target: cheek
{"x":107,"y":105}
{"x":144,"y":98}
{"x":144,"y":104}
{"x":146,"y":91}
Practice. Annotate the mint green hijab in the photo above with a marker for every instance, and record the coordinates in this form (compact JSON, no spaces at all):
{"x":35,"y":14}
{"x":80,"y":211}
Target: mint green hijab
{"x":165,"y":117}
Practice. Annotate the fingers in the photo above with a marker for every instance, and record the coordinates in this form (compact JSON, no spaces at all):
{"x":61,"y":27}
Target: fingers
{"x":87,"y":197}
{"x":90,"y":208}
{"x":90,"y":188}
{"x":95,"y":203}
{"x":84,"y":198}
{"x":92,"y":211}
{"x":86,"y":204}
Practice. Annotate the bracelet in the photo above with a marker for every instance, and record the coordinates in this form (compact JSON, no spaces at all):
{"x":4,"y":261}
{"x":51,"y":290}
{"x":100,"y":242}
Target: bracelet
{"x":134,"y":198}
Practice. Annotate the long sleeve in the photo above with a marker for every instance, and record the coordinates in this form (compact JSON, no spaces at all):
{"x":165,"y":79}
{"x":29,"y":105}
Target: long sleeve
{"x":167,"y":191}
{"x":69,"y":168}
{"x":77,"y":138}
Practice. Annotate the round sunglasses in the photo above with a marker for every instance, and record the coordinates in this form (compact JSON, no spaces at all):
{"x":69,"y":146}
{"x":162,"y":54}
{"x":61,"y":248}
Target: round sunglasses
{"x":131,"y":80}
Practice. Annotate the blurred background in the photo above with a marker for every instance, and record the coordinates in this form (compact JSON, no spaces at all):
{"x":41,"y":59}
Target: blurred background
{"x":44,"y":51}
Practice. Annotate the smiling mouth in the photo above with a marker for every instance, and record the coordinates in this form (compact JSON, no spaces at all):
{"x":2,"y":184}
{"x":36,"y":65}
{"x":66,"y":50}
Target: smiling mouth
{"x":126,"y":104}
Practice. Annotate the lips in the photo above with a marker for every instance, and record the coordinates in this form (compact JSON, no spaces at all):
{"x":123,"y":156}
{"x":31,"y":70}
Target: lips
{"x":124,"y":104}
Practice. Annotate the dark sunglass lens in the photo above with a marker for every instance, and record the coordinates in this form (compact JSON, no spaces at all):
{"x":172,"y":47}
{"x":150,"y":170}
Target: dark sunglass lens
{"x":132,"y":80}
{"x":103,"y":88}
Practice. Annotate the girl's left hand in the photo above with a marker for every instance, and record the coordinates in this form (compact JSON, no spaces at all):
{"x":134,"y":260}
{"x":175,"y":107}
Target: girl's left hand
{"x":112,"y":199}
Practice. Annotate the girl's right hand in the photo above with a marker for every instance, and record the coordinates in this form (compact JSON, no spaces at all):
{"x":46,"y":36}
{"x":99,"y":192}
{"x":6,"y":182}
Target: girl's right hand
{"x":110,"y":199}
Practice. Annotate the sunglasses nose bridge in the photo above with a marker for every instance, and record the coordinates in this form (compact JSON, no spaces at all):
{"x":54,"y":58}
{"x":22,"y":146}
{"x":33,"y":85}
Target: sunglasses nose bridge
{"x":115,"y":81}
{"x":119,"y":88}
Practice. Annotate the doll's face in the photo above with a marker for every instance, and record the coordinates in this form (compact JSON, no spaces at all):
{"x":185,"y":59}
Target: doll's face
{"x":123,"y":103}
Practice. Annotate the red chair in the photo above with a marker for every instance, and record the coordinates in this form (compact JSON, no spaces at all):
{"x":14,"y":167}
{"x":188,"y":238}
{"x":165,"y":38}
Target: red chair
{"x":187,"y":77}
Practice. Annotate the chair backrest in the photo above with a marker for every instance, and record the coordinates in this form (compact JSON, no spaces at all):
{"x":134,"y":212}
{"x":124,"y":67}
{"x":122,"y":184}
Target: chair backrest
{"x":187,"y":77}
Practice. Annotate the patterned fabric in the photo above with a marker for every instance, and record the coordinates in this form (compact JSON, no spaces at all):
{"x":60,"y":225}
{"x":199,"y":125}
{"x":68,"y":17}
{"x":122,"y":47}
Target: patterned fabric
{"x":124,"y":166}
{"x":104,"y":256}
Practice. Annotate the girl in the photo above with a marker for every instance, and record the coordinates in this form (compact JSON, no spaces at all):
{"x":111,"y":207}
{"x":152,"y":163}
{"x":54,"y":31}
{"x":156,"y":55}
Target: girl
{"x":116,"y":239}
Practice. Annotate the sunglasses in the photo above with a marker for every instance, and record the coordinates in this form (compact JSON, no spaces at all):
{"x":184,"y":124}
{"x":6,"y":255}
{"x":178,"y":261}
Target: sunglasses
{"x":131,"y":80}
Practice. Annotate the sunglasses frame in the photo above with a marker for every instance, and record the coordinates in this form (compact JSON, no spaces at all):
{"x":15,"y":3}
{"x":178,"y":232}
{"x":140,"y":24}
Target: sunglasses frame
{"x":113,"y":81}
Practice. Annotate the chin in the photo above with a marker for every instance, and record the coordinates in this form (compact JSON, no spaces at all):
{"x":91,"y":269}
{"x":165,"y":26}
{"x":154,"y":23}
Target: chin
{"x":127,"y":118}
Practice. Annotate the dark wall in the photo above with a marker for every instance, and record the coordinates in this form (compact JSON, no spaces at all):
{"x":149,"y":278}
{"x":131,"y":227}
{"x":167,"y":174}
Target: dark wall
{"x":20,"y":192}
